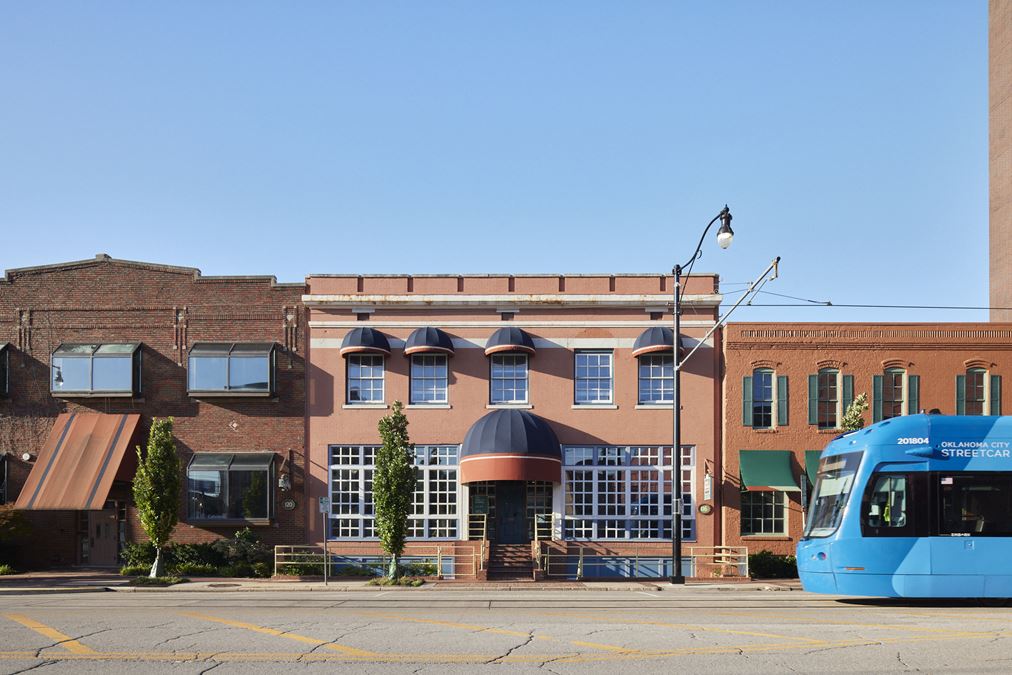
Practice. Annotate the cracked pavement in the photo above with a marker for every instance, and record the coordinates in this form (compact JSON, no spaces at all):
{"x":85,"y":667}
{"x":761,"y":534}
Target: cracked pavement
{"x":475,"y":631}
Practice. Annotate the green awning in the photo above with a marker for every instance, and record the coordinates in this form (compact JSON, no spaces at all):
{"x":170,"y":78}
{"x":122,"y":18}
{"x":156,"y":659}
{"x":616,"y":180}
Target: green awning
{"x":812,"y":464}
{"x":767,"y":470}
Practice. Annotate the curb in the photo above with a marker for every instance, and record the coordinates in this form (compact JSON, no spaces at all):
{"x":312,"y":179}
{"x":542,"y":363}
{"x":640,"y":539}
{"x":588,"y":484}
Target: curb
{"x":53,"y":591}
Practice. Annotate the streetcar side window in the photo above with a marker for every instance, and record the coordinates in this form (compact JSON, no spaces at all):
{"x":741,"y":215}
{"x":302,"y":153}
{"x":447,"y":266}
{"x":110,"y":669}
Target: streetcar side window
{"x":886,"y":507}
{"x":833,"y":486}
{"x":975,"y":504}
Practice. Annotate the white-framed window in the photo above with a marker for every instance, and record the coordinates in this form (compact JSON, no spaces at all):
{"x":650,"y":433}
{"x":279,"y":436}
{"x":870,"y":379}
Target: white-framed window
{"x":429,"y":375}
{"x":656,"y":378}
{"x":434,"y":513}
{"x":508,"y":382}
{"x":763,"y":512}
{"x":365,"y":378}
{"x":624,"y":492}
{"x":593,"y":377}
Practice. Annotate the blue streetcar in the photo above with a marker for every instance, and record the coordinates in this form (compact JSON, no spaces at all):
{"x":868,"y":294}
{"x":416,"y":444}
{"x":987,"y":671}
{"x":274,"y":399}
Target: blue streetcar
{"x":914,"y":507}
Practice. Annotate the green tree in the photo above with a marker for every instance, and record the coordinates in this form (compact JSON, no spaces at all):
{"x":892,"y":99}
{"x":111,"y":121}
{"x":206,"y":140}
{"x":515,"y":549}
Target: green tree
{"x":393,"y":485}
{"x":156,"y":489}
{"x":853,"y":417}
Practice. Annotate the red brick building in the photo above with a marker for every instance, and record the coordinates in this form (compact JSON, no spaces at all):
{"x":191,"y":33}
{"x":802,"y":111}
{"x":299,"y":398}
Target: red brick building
{"x":786,"y":387}
{"x":529,"y":397}
{"x":91,"y":351}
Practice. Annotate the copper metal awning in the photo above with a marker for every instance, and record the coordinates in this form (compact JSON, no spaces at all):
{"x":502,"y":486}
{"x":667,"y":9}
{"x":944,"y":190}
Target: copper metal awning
{"x":76,"y":468}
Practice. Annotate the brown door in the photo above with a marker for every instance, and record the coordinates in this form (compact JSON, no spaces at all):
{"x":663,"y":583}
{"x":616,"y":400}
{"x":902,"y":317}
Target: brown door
{"x":103,"y":537}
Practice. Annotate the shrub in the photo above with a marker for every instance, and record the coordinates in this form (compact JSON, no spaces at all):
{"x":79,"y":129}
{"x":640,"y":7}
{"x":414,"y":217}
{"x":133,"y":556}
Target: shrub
{"x":142,"y":553}
{"x":189,"y":569}
{"x":6,"y":569}
{"x":302,"y":570}
{"x":196,"y":554}
{"x":420,"y":570}
{"x":135,"y":570}
{"x":156,"y":581}
{"x":354,"y":571}
{"x":243,"y":549}
{"x":413,"y":582}
{"x":262,"y":570}
{"x":768,"y":565}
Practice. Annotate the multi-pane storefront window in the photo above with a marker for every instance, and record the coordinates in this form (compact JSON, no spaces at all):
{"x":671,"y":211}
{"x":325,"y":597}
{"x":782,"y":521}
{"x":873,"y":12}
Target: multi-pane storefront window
{"x":624,"y":492}
{"x":428,"y":378}
{"x":593,"y":377}
{"x":434,"y":511}
{"x":763,"y":512}
{"x":365,"y":378}
{"x":509,"y":378}
{"x":656,"y":378}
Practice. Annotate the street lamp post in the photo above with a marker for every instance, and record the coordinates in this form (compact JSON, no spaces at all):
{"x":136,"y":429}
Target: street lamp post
{"x":724,"y":237}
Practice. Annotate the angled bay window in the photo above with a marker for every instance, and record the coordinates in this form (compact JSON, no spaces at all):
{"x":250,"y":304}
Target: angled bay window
{"x":96,"y":369}
{"x":232,"y":369}
{"x":225,"y":486}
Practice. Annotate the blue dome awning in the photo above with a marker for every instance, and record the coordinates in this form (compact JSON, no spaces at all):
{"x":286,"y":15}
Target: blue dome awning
{"x":510,"y":444}
{"x":428,"y":340}
{"x":654,"y":339}
{"x":365,"y":341}
{"x":510,"y":339}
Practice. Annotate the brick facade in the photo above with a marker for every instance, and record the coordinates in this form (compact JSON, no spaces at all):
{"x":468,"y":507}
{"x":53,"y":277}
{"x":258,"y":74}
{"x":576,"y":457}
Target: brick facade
{"x":167,"y":309}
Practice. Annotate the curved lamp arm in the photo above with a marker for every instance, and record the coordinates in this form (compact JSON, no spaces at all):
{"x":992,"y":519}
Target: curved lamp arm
{"x":725,"y":217}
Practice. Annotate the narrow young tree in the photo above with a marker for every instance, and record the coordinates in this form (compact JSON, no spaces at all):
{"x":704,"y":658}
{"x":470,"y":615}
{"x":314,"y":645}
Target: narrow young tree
{"x":853,"y":416}
{"x":156,"y":489}
{"x":393,"y":485}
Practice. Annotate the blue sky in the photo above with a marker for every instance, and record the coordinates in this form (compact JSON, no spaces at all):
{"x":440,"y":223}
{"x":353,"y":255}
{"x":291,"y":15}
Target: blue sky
{"x":850,"y":138}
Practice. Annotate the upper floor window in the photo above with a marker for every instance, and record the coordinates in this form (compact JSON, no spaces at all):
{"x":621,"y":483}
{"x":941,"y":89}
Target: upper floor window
{"x":978,"y":393}
{"x":656,"y":378}
{"x":829,"y":394}
{"x":509,"y":378}
{"x":96,"y":369}
{"x":764,"y":399}
{"x":365,"y":378}
{"x":429,"y":378}
{"x":233,"y":369}
{"x":895,"y":393}
{"x":593,"y":378}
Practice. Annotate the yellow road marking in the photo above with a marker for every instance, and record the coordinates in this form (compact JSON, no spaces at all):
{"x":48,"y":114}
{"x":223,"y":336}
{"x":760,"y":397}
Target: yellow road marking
{"x":499,"y":631}
{"x":351,"y":651}
{"x":65,"y":641}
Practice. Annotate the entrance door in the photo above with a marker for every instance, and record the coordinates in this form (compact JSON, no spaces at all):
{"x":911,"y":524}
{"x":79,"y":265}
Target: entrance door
{"x":511,"y":512}
{"x":103,"y":537}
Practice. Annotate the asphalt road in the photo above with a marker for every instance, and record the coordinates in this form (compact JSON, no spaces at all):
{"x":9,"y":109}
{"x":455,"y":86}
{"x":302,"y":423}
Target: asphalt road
{"x":444,"y":631}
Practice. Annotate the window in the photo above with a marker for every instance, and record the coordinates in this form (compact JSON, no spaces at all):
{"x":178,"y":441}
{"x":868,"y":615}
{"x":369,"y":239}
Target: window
{"x":428,"y":378}
{"x":509,"y":378}
{"x":656,"y":378}
{"x":885,"y":508}
{"x":895,"y":393}
{"x":593,"y":378}
{"x":978,"y":393}
{"x":4,"y":370}
{"x":365,"y":378}
{"x":976,"y":504}
{"x":230,"y":486}
{"x":434,"y":504}
{"x":233,"y":369}
{"x":833,"y":485}
{"x":762,"y":399}
{"x":763,"y":512}
{"x":96,"y":369}
{"x":829,"y":398}
{"x":624,"y":492}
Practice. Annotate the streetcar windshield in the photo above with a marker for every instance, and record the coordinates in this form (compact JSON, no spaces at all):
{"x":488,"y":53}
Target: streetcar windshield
{"x":833,"y":486}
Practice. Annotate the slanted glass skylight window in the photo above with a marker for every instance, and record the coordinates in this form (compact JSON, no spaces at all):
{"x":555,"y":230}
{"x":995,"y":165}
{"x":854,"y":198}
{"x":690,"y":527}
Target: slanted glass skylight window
{"x":96,"y":369}
{"x":232,"y":369}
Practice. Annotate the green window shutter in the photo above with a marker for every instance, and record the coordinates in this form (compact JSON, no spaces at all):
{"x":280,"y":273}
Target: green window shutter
{"x":813,"y":399}
{"x":876,"y":398}
{"x":746,"y":400}
{"x":914,"y":399}
{"x":996,"y":394}
{"x":782,"y":401}
{"x":960,"y":394}
{"x":848,"y":391}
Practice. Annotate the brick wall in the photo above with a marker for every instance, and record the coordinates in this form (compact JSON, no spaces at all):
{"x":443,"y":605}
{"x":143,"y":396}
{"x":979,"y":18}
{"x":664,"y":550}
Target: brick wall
{"x":167,"y":309}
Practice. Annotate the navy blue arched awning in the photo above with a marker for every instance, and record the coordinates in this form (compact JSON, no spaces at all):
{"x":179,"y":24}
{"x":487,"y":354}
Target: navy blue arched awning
{"x":653,"y":339}
{"x":365,"y":341}
{"x":510,"y":444}
{"x":510,"y":339}
{"x":428,"y":340}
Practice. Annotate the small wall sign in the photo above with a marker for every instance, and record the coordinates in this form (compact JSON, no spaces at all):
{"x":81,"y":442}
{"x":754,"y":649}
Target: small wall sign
{"x":288,"y":505}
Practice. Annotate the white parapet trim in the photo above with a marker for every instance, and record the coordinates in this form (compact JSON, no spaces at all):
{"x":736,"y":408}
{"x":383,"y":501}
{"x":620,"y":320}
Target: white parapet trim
{"x":510,"y":300}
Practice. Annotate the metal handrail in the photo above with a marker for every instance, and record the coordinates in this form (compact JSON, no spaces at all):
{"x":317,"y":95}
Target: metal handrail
{"x":465,"y":564}
{"x":723,"y":559}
